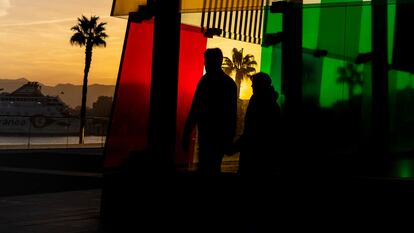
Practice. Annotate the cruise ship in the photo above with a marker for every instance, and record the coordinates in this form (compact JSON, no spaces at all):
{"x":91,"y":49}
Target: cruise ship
{"x":27,"y":111}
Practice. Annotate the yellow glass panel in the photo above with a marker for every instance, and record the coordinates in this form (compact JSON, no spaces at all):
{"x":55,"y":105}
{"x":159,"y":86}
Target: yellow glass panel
{"x":123,"y":7}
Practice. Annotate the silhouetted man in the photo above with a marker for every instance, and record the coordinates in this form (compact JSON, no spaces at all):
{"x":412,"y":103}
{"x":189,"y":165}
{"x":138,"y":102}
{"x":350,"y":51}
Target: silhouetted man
{"x":214,"y":111}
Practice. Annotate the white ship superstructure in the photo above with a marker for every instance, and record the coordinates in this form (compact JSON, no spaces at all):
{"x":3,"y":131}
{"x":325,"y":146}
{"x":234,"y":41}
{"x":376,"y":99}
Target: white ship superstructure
{"x":28,"y":111}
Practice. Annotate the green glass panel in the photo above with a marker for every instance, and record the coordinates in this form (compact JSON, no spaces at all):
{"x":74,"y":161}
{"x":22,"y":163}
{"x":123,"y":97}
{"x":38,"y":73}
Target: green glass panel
{"x":366,"y":116}
{"x":401,"y":104}
{"x":310,"y":27}
{"x":266,"y":53}
{"x":331,"y":90}
{"x":339,"y":30}
{"x":338,"y":1}
{"x":312,"y":73}
{"x":266,"y":59}
{"x":392,"y":83}
{"x":332,"y":31}
{"x":271,"y":56}
{"x":272,"y":22}
{"x":401,"y":95}
{"x":365,"y":44}
{"x":404,"y":80}
{"x":275,"y":72}
{"x":353,"y":31}
{"x":404,"y":168}
{"x":391,"y":26}
{"x":366,"y":71}
{"x":271,"y":64}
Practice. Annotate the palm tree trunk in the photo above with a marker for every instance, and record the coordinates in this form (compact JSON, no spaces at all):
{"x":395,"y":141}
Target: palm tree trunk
{"x":239,"y":77}
{"x":240,"y":113}
{"x":88,"y":60}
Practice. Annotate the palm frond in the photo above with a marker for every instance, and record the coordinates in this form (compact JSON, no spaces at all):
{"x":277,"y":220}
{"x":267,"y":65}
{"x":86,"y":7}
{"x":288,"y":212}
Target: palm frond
{"x":227,"y":66}
{"x":89,"y":31}
{"x":248,"y":58}
{"x":100,"y":28}
{"x":76,"y":28}
{"x":250,"y":70}
{"x":227,"y":62}
{"x":234,"y":51}
{"x":78,"y":39}
{"x":84,"y":24}
{"x":99,"y":41}
{"x":237,"y":57}
{"x":94,"y":20}
{"x":250,"y":63}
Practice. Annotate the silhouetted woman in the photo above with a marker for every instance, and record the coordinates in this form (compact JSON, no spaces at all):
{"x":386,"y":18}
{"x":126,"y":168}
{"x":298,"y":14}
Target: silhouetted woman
{"x":259,"y":147}
{"x":259,"y":142}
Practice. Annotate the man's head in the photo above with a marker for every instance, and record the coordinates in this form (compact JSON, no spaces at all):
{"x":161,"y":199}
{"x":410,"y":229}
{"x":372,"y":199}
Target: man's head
{"x":213,"y":59}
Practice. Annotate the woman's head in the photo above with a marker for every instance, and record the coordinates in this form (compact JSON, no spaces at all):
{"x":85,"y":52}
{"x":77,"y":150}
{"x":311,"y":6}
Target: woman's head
{"x":261,"y":81}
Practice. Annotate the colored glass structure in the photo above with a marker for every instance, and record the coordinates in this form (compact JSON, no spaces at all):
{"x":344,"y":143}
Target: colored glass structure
{"x":339,"y":87}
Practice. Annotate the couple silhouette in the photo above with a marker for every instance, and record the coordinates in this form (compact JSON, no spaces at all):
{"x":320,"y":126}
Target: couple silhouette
{"x":214,"y":113}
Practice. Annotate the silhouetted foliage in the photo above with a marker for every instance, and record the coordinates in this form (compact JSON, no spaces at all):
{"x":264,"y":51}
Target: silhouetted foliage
{"x":244,"y":66}
{"x":351,"y":76}
{"x":102,"y":106}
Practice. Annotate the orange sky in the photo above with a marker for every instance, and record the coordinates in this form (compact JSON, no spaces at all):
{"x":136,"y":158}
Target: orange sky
{"x":34,"y":41}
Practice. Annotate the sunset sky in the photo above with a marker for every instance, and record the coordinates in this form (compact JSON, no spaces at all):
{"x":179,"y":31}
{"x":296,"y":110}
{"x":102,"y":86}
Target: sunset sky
{"x":34,"y":41}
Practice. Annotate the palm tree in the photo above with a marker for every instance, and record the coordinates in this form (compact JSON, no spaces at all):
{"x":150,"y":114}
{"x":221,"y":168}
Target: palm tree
{"x":88,"y":33}
{"x":351,"y":76}
{"x":243,"y":66}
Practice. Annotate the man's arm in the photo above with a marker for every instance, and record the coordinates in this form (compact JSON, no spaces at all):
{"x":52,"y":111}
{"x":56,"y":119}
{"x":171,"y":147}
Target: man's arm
{"x":191,"y":121}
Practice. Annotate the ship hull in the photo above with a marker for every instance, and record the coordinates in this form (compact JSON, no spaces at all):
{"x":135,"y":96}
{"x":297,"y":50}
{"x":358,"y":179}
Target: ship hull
{"x":38,"y":125}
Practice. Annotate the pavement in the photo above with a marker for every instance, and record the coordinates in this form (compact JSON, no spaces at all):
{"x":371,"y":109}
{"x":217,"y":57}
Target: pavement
{"x":25,"y":172}
{"x":56,"y":190}
{"x":60,"y":212}
{"x":48,"y":191}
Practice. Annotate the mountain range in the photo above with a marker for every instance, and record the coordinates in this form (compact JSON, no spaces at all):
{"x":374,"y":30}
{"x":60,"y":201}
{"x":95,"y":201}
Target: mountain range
{"x":69,"y":93}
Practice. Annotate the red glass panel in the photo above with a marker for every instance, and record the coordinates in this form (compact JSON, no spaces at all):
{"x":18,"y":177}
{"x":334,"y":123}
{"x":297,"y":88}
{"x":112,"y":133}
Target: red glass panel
{"x":192,"y":47}
{"x":129,"y":124}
